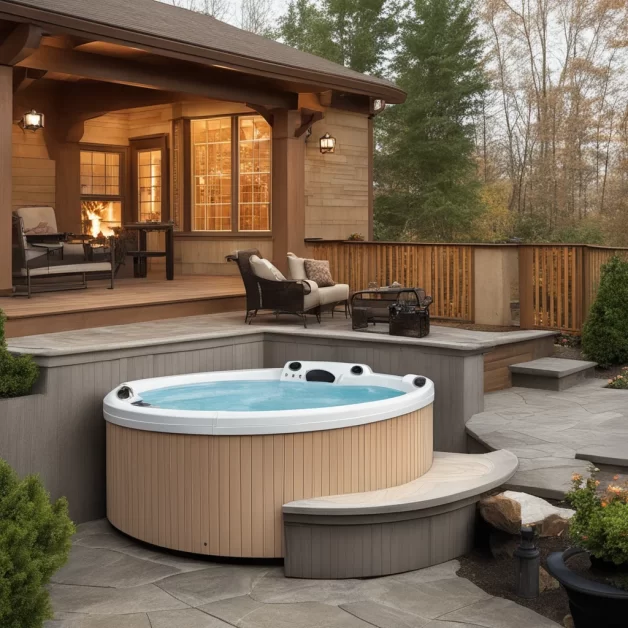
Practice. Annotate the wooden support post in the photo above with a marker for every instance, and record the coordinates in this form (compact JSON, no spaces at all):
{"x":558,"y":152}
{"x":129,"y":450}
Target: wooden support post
{"x":288,"y":187}
{"x":6,"y":181}
{"x":526,"y":288}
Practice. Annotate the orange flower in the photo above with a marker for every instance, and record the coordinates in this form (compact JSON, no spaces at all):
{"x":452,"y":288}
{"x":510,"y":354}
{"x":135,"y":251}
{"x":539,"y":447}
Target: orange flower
{"x":615,"y":477}
{"x":597,"y":482}
{"x":604,"y":504}
{"x":576,"y":477}
{"x":584,"y":537}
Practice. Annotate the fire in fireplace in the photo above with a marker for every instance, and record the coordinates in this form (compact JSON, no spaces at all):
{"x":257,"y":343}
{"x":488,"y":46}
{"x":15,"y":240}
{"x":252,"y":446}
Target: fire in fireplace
{"x":100,"y":218}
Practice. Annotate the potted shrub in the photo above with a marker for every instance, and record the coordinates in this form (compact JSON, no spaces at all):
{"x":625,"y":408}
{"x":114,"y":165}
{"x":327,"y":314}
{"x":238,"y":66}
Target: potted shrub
{"x":17,"y":373}
{"x":595,"y":571}
{"x":34,"y":542}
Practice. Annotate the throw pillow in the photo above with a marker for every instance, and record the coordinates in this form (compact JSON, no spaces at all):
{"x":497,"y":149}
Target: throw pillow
{"x":296,"y":266}
{"x":41,"y":229}
{"x":318,"y":271}
{"x":265,"y":270}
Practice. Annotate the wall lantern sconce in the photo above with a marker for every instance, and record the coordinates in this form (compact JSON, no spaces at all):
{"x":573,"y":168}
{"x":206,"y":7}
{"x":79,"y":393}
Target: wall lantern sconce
{"x":379,"y":105}
{"x":32,"y":121}
{"x":328,"y":144}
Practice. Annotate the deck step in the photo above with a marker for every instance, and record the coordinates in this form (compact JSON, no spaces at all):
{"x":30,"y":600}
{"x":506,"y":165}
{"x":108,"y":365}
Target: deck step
{"x":551,"y":373}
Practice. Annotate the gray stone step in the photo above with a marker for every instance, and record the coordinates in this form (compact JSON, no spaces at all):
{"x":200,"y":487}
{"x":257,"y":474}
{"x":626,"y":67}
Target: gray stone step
{"x":551,"y":373}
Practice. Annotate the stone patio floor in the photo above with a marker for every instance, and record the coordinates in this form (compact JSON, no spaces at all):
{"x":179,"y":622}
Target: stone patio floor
{"x":546,"y":430}
{"x":112,"y":581}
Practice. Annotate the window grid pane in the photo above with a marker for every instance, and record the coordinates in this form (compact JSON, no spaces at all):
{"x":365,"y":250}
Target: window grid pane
{"x":211,"y":172}
{"x":100,"y":173}
{"x":255,"y":174}
{"x":149,"y":185}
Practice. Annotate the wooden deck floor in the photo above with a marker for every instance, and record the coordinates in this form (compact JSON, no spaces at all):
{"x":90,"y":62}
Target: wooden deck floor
{"x":132,"y":301}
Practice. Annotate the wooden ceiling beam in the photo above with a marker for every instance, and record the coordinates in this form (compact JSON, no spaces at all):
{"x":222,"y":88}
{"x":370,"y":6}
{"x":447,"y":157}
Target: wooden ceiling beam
{"x":206,"y":83}
{"x":25,"y":77}
{"x":19,"y":44}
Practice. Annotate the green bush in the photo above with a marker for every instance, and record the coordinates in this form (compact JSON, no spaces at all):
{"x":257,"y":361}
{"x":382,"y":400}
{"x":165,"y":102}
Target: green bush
{"x":17,"y":373}
{"x":600,"y":524}
{"x":605,"y":333}
{"x":34,"y":542}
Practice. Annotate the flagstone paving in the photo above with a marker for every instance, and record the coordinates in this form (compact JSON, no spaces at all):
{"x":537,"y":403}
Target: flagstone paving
{"x":546,"y":430}
{"x":112,"y":581}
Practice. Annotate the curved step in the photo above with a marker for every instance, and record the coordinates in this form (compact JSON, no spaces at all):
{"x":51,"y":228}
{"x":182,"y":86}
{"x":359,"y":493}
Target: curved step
{"x":452,"y":477}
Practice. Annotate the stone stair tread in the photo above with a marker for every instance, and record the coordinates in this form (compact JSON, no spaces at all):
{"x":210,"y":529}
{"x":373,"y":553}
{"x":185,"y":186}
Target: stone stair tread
{"x":616,"y":455}
{"x":552,"y":367}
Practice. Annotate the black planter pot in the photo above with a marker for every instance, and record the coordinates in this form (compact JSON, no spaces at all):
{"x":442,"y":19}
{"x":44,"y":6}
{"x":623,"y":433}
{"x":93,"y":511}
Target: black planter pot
{"x":592,"y":604}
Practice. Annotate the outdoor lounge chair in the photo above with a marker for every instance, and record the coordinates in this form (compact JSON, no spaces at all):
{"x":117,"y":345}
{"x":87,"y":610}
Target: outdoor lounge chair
{"x":282,"y":296}
{"x":29,"y":264}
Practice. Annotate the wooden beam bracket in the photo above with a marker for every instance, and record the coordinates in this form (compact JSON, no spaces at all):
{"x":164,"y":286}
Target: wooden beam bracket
{"x":308,"y":118}
{"x":19,"y":44}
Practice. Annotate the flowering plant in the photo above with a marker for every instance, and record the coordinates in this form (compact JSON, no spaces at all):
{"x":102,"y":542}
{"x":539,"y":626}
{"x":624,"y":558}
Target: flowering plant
{"x":600,"y":524}
{"x":356,"y":237}
{"x":619,"y":381}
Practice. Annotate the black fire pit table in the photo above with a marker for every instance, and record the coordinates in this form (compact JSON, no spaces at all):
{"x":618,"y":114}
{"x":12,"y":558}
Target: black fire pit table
{"x":373,"y":305}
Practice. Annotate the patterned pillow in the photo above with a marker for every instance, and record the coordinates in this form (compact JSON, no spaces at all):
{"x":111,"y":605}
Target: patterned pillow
{"x":318,"y":271}
{"x":42,"y":228}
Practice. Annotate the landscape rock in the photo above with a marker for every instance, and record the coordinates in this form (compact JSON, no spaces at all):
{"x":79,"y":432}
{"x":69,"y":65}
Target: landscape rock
{"x":568,"y":621}
{"x":509,"y":510}
{"x":547,"y":582}
{"x":502,"y":544}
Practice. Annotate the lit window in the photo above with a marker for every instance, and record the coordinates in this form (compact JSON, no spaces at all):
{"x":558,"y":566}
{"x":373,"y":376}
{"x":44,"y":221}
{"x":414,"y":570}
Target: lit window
{"x":149,"y":185}
{"x":254,"y":175}
{"x":211,"y":145}
{"x":100,"y":173}
{"x":216,"y":197}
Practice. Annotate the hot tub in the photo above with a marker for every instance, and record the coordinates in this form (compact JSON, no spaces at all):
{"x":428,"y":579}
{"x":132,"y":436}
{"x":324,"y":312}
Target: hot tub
{"x":203,"y":463}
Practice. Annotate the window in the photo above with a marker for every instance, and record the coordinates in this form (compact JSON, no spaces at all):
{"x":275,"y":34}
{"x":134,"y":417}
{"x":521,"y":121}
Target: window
{"x":100,"y":173}
{"x":211,"y":141}
{"x":149,"y":185}
{"x":254,"y":183}
{"x":218,"y":202}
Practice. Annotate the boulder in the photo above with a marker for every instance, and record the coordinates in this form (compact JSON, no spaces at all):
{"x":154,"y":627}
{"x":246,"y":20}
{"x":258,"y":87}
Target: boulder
{"x":502,"y":544}
{"x":509,"y":510}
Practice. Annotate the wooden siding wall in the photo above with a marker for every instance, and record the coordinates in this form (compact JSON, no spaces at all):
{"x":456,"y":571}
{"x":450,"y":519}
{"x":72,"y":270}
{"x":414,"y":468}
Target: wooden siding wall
{"x":111,"y":128}
{"x":444,"y":271}
{"x":33,"y":170}
{"x":222,"y":495}
{"x":337,"y":185}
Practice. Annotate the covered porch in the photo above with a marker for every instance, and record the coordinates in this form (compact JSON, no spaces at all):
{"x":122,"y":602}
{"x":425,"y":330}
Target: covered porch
{"x":148,"y":124}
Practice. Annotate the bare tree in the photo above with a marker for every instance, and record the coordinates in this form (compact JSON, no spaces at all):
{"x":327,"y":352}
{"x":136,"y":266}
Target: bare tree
{"x":220,"y":9}
{"x":558,"y":69}
{"x":255,"y":16}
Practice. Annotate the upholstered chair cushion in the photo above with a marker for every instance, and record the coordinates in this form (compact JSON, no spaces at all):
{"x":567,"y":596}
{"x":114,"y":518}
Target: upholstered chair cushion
{"x":296,"y":267}
{"x":318,"y":271}
{"x":265,"y":270}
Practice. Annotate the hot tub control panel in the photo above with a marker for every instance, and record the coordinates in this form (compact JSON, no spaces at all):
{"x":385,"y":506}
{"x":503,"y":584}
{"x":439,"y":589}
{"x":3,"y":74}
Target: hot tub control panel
{"x":329,"y":372}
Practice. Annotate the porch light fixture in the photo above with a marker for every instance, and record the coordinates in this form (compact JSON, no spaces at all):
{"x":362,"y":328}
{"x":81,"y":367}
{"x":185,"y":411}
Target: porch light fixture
{"x":379,"y":105}
{"x":327,"y":144}
{"x":32,"y":121}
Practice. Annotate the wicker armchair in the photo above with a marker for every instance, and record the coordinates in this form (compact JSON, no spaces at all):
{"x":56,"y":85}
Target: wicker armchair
{"x":281,"y":297}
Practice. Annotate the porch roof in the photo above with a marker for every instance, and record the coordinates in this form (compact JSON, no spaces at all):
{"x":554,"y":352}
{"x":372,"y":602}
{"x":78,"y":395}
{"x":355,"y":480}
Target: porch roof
{"x":179,"y":33}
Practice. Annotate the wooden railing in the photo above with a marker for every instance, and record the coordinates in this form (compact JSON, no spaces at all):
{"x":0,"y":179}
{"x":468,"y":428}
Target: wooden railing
{"x":558,"y":284}
{"x":444,"y":271}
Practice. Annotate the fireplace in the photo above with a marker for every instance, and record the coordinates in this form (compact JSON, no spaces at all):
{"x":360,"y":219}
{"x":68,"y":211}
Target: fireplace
{"x":100,"y":218}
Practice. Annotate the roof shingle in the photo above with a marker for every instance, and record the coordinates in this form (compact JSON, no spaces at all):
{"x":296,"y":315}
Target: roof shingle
{"x":206,"y":34}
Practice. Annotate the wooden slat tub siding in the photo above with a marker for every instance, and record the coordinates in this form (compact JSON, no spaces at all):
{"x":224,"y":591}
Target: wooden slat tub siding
{"x":222,"y":495}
